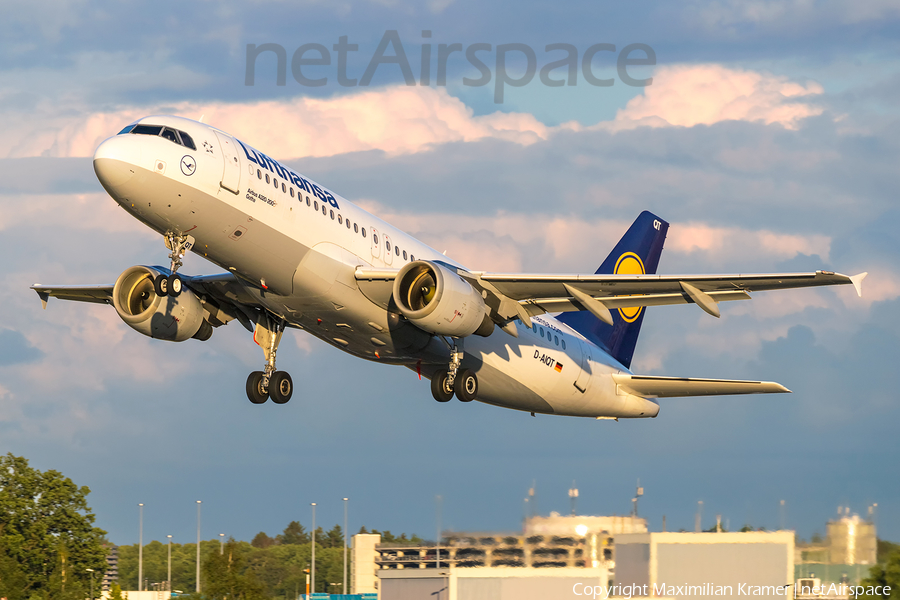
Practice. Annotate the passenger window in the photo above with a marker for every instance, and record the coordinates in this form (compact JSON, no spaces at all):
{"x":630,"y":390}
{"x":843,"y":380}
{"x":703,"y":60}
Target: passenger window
{"x":374,"y":237}
{"x":292,"y":192}
{"x":340,"y":222}
{"x":324,"y":210}
{"x":147,"y":129}
{"x":411,"y":257}
{"x":542,"y":332}
{"x":307,"y":202}
{"x":348,"y":223}
{"x":187,"y":140}
{"x":397,"y":251}
{"x":564,"y":344}
{"x":356,"y":229}
{"x":332,"y":215}
{"x":315,"y":204}
{"x":267,"y":178}
{"x":259,"y":174}
{"x":404,"y":255}
{"x":556,"y":340}
{"x":534,"y":327}
{"x":170,"y":135}
{"x":283,"y":189}
{"x":388,"y":244}
{"x":275,"y":179}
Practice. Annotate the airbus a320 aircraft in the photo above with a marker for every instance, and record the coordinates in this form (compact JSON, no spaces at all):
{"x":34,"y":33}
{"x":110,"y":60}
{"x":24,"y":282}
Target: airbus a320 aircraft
{"x":297,"y":255}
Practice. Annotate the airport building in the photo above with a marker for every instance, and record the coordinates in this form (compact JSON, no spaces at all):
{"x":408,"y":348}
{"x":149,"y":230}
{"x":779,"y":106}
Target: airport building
{"x":758,"y":563}
{"x":845,"y":555}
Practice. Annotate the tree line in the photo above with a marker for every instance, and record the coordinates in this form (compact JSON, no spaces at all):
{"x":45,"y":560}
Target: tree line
{"x":267,"y":567}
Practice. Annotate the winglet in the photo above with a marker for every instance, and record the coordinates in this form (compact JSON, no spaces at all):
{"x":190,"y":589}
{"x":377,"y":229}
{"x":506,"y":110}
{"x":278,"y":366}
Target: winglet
{"x":856,"y":280}
{"x":44,"y":296}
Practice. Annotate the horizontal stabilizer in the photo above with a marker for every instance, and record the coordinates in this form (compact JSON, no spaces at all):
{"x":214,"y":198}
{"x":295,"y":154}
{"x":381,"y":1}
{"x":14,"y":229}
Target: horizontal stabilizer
{"x":649,"y":386}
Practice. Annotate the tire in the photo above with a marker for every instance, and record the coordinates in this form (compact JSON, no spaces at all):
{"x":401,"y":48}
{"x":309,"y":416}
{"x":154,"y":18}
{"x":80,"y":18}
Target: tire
{"x":255,"y":392}
{"x":161,"y":285}
{"x":439,"y":387}
{"x":175,"y":285}
{"x":281,"y":387}
{"x":466,"y":385}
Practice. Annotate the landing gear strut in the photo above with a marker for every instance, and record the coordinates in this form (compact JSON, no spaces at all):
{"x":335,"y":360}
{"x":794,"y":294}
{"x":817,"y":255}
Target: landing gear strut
{"x":262,"y":385}
{"x":171,"y":285}
{"x":445,"y":383}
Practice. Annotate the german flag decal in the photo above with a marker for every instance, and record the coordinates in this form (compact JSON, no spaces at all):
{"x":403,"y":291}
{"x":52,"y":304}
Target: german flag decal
{"x":558,"y":367}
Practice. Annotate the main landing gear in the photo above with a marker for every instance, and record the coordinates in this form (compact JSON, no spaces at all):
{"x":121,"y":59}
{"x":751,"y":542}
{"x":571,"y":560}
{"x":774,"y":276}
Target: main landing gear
{"x":262,"y":385}
{"x":171,"y":285}
{"x":464,"y":383}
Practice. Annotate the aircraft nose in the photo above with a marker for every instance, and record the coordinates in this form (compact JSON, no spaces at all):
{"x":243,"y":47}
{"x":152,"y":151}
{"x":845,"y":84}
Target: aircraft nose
{"x":115,"y":160}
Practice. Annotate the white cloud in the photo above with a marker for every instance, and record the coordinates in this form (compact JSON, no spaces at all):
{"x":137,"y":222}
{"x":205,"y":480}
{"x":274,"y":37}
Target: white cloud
{"x":688,"y":95}
{"x":397,"y":120}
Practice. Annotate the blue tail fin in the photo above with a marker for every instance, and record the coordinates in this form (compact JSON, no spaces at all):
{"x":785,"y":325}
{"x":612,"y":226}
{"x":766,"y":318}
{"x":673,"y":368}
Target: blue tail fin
{"x":637,"y":252}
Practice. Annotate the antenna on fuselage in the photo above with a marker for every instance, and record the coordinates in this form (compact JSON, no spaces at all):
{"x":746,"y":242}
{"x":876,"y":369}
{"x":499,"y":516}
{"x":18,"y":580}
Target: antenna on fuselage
{"x":202,"y":117}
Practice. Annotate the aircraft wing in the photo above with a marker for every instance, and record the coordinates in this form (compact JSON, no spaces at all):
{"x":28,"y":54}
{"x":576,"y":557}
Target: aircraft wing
{"x":524,"y":295}
{"x":225,"y":297}
{"x":80,"y":293}
{"x":649,"y":386}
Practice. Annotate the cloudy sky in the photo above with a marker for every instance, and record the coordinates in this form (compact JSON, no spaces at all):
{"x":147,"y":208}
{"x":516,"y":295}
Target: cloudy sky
{"x":768,"y":138}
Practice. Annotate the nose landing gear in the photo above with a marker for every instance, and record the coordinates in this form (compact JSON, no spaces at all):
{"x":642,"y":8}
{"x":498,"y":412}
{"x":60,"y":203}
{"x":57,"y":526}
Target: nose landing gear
{"x":262,"y":385}
{"x":171,"y":285}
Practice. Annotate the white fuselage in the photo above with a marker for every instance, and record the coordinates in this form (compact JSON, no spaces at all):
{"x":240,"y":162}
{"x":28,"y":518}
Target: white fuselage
{"x":296,"y":246}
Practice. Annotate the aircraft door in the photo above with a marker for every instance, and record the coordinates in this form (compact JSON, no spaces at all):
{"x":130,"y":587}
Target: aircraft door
{"x":376,"y":243}
{"x":388,"y":250}
{"x":584,"y":375}
{"x":231,"y":176}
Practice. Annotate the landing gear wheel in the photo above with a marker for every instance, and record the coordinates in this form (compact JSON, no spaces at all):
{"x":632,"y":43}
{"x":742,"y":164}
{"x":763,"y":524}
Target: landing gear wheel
{"x":439,"y":388}
{"x":161,"y":285}
{"x":281,"y":387}
{"x":174,"y":285}
{"x":255,"y":391}
{"x":466,"y":385}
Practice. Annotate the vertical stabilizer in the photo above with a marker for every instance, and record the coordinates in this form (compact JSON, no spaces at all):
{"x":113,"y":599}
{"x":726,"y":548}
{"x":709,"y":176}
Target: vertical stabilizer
{"x":636,"y":253}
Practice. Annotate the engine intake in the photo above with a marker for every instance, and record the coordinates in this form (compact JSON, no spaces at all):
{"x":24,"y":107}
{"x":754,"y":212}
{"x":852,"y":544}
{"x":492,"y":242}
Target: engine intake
{"x":163,"y":318}
{"x":437,"y":300}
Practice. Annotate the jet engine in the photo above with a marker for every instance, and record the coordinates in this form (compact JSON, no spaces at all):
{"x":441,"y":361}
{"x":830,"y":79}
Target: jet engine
{"x":437,"y":300}
{"x":172,"y":318}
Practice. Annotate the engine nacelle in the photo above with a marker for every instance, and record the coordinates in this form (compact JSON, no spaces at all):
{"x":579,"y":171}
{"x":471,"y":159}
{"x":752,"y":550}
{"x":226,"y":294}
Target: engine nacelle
{"x":163,"y":318}
{"x":437,"y":300}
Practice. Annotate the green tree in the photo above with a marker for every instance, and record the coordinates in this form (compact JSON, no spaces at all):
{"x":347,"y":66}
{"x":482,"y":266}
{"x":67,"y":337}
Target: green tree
{"x":294,"y":533}
{"x":115,"y":592}
{"x":227,"y":576}
{"x":47,"y":535}
{"x":334,"y":538}
{"x":261,"y":540}
{"x":885,"y":574}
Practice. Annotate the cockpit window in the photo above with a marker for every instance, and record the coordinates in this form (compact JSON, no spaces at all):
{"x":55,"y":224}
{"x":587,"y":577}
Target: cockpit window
{"x":187,"y":141}
{"x":127,"y":129}
{"x":173,"y":135}
{"x":147,"y":129}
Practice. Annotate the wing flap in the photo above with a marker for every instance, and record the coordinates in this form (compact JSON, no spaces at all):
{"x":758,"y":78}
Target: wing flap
{"x":650,"y":386}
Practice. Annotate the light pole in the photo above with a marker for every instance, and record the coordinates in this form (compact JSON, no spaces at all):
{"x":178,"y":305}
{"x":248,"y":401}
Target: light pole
{"x":91,"y":571}
{"x":140,"y":546}
{"x":344,"y":589}
{"x":221,"y":544}
{"x":169,"y":577}
{"x":313,"y":504}
{"x":199,"y":502}
{"x":437,"y":544}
